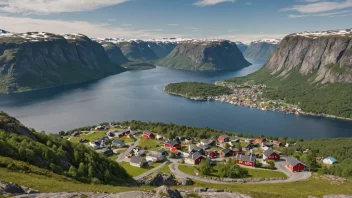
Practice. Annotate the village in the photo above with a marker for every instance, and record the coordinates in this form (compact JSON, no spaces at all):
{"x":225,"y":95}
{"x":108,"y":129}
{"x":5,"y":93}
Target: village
{"x":251,"y":96}
{"x":143,"y":152}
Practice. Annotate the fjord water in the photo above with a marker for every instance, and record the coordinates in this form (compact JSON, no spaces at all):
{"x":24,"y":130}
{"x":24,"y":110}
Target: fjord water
{"x":138,"y":95}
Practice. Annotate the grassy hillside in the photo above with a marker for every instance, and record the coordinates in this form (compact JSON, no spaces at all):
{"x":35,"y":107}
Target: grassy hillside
{"x":196,"y":89}
{"x":60,"y":156}
{"x":333,"y":99}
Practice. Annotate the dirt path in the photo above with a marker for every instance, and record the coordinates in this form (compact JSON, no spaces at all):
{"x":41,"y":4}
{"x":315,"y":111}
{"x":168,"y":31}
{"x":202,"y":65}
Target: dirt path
{"x":123,"y":155}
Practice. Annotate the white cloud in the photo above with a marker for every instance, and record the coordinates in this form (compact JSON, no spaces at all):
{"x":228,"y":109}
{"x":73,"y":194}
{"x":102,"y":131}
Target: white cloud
{"x":211,"y":2}
{"x":326,"y":14}
{"x":173,"y":24}
{"x":54,"y":6}
{"x":94,"y":30}
{"x":111,"y":20}
{"x":323,"y":6}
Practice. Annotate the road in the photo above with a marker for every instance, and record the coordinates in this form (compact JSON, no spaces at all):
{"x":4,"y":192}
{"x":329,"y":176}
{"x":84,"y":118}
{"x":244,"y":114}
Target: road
{"x":280,"y":166}
{"x":123,"y":155}
{"x":150,"y":171}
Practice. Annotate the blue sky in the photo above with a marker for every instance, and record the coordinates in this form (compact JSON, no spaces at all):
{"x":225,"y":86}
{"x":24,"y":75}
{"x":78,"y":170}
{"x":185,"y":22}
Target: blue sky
{"x":243,"y":20}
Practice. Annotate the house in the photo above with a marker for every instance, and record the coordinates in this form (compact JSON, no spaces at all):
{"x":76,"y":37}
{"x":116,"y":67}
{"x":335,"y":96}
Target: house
{"x":259,"y":140}
{"x":235,"y":141}
{"x":148,"y":135}
{"x":329,"y":160}
{"x":270,"y":154}
{"x":249,"y":146}
{"x":212,"y":154}
{"x":248,"y":140}
{"x":246,"y":160}
{"x":155,"y":157}
{"x":206,"y":142}
{"x":194,"y":149}
{"x":98,"y":143}
{"x":117,"y":143}
{"x":137,"y":161}
{"x":267,"y":145}
{"x":138,"y":151}
{"x":174,"y":150}
{"x":75,"y":134}
{"x":226,"y":153}
{"x":163,"y":152}
{"x":99,"y":128}
{"x":277,"y":144}
{"x":205,"y":147}
{"x":159,"y":137}
{"x":223,"y":138}
{"x":294,"y":165}
{"x":172,"y":144}
{"x":194,"y":158}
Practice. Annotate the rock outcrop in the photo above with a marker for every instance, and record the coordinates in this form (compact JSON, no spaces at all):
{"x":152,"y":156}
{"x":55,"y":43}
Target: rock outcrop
{"x":9,"y":188}
{"x":37,"y":60}
{"x":204,"y":55}
{"x":241,"y":46}
{"x":12,"y":125}
{"x":327,"y":55}
{"x":261,"y":50}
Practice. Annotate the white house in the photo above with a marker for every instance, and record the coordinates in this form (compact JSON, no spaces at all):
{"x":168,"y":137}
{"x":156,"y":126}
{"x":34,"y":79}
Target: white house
{"x":97,"y":144}
{"x":155,"y":157}
{"x":137,"y":161}
{"x":329,"y":160}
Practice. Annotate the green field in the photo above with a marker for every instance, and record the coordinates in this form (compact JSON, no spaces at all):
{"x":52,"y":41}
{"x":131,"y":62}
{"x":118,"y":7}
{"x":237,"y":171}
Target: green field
{"x":253,"y":173}
{"x":135,"y":171}
{"x":89,"y":137}
{"x":165,"y":169}
{"x":197,"y":89}
{"x":151,"y":144}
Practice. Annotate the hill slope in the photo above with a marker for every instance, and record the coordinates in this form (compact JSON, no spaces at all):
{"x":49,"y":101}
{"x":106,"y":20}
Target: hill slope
{"x":261,"y":50}
{"x":39,"y":60}
{"x":205,"y":55}
{"x":114,"y":52}
{"x":137,"y":50}
{"x":313,"y":70}
{"x":60,"y":156}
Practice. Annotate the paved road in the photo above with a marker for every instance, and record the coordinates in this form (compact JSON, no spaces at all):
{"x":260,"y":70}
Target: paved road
{"x":122,"y":155}
{"x":281,"y":167}
{"x":150,"y":171}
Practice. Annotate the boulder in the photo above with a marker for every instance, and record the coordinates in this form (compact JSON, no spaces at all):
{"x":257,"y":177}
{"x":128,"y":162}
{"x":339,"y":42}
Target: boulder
{"x":167,"y":192}
{"x":185,"y":182}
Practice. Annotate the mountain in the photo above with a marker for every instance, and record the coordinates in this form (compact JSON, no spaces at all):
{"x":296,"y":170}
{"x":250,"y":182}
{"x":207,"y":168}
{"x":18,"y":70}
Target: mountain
{"x":55,"y":154}
{"x":161,"y":49}
{"x":3,"y":31}
{"x":137,"y":50}
{"x":261,"y":49}
{"x":311,"y":69}
{"x":37,"y":60}
{"x":205,"y":55}
{"x":243,"y":47}
{"x":114,"y":52}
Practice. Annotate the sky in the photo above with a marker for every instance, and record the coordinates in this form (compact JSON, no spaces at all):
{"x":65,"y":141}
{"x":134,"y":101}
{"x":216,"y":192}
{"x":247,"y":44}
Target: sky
{"x":236,"y":20}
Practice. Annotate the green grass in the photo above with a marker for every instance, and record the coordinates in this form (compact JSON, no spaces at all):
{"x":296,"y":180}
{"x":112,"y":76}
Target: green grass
{"x":127,"y":139}
{"x":150,"y":144}
{"x":165,"y":169}
{"x":135,"y":171}
{"x":89,"y":137}
{"x":253,"y":173}
{"x":197,"y":89}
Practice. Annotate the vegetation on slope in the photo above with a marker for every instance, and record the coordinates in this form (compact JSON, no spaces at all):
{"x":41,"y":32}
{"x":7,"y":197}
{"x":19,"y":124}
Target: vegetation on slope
{"x":62,"y":157}
{"x":331,"y":99}
{"x":196,"y":89}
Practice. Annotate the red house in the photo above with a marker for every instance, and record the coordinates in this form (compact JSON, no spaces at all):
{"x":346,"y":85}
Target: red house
{"x":223,"y":138}
{"x":259,"y":140}
{"x":277,"y":144}
{"x":246,"y":160}
{"x":226,"y":153}
{"x":270,"y":155}
{"x":172,"y":144}
{"x":148,"y":135}
{"x":212,"y":154}
{"x":294,"y":165}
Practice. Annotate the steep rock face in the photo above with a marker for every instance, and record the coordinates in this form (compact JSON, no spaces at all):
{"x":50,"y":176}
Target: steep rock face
{"x":12,"y":125}
{"x":328,"y":55}
{"x":161,"y":49}
{"x":114,"y":52}
{"x":261,"y":50}
{"x":243,"y":47}
{"x":205,"y":55}
{"x":38,"y":60}
{"x":137,"y":50}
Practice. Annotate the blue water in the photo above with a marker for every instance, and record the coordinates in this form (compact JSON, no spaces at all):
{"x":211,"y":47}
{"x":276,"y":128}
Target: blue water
{"x":137,"y":95}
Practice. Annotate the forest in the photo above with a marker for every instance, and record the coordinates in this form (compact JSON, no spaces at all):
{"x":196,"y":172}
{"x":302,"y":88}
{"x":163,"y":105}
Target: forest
{"x":314,"y":97}
{"x":196,"y":89}
{"x":58,"y":155}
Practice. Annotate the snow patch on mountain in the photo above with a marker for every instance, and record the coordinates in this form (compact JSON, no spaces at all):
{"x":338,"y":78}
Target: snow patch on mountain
{"x":270,"y":41}
{"x":316,"y":34}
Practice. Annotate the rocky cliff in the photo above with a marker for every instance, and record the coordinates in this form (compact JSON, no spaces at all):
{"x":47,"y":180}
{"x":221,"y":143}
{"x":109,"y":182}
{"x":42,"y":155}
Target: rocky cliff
{"x":38,"y":60}
{"x":205,"y":55}
{"x":137,"y":50}
{"x":243,"y":47}
{"x":161,"y":49}
{"x":261,"y":50}
{"x":325,"y":55}
{"x":114,"y":52}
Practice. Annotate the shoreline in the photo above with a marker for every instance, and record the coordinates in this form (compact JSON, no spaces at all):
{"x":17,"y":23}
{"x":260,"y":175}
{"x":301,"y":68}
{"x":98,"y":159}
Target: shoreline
{"x":213,"y":98}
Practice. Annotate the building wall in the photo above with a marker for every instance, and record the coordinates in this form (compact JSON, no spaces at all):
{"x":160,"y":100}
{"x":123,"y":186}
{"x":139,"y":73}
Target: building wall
{"x":245,"y":163}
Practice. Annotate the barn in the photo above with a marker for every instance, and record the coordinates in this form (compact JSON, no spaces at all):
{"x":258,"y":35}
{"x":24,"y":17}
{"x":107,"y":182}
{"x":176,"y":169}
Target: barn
{"x":270,"y":154}
{"x":172,"y":144}
{"x":246,"y":160}
{"x":148,"y":135}
{"x":294,"y":165}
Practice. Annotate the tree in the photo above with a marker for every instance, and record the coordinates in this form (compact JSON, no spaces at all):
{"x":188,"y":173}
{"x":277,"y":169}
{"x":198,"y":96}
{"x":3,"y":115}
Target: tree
{"x":205,"y":167}
{"x":82,"y":170}
{"x":72,"y":172}
{"x":271,"y":164}
{"x":227,"y":145}
{"x":238,"y":146}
